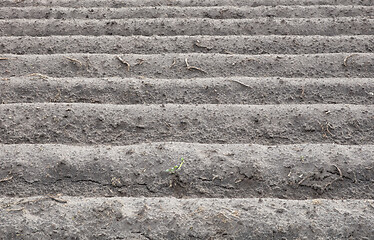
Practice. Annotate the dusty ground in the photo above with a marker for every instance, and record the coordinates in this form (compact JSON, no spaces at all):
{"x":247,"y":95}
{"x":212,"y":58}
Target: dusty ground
{"x":269,"y":103}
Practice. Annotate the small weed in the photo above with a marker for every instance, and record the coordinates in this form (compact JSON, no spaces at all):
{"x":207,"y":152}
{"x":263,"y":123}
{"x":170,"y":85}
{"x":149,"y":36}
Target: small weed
{"x":176,"y":167}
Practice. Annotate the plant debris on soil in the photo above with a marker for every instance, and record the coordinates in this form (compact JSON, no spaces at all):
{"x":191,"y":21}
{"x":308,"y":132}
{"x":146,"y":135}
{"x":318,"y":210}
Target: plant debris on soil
{"x":210,"y":119}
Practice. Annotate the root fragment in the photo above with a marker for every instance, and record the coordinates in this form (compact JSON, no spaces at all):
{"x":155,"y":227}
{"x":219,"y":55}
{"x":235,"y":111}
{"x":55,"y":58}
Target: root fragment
{"x":124,"y":62}
{"x":336,"y":179}
{"x":302,"y":92}
{"x":15,"y":209}
{"x":56,"y":199}
{"x":139,"y":61}
{"x":76,"y":61}
{"x":354,"y":175}
{"x":6,"y":179}
{"x":189,"y":67}
{"x":302,"y":180}
{"x":222,"y":11}
{"x":6,"y":58}
{"x":330,"y":183}
{"x":326,"y":129}
{"x":174,"y":62}
{"x":245,"y":85}
{"x":228,"y":52}
{"x":38,"y":75}
{"x":370,"y":204}
{"x":340,"y":172}
{"x":346,"y":59}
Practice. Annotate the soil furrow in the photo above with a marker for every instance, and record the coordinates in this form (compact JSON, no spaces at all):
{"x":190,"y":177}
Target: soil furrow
{"x":222,"y":12}
{"x":183,"y":66}
{"x":189,"y":26}
{"x":187,"y":44}
{"x":210,"y":170}
{"x":186,"y":119}
{"x":234,"y":90}
{"x":128,"y":124}
{"x":153,"y":3}
{"x":51,"y":217}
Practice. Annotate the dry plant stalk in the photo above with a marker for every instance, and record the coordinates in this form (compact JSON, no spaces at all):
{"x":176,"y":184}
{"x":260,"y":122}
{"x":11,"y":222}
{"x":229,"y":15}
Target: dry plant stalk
{"x":124,"y":62}
{"x":174,"y":62}
{"x":76,"y":61}
{"x":6,"y":179}
{"x":38,"y":75}
{"x":140,"y":61}
{"x":189,"y":67}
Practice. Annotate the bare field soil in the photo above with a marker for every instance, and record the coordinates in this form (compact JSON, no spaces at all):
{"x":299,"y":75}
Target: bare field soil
{"x":295,"y":171}
{"x":265,"y":111}
{"x":170,"y":218}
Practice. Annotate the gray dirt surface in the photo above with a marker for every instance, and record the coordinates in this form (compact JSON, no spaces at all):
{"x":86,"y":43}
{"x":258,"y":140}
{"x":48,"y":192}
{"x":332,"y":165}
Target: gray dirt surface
{"x":229,"y":45}
{"x":174,"y":66}
{"x":170,"y":218}
{"x":183,"y":3}
{"x":187,"y":26}
{"x":297,"y":171}
{"x":39,"y":89}
{"x":270,"y":103}
{"x":219,"y":12}
{"x":211,"y":123}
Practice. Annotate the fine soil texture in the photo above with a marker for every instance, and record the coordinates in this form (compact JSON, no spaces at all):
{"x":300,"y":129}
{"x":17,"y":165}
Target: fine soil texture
{"x":182,"y":119}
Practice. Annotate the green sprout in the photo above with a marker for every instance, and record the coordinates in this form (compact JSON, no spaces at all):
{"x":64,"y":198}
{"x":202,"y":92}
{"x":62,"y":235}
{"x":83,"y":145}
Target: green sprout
{"x":176,"y":167}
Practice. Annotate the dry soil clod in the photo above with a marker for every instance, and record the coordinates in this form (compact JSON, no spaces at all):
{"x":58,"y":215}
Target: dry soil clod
{"x":228,"y":52}
{"x":198,"y":44}
{"x":244,"y":60}
{"x":124,"y":62}
{"x":75,"y":61}
{"x":346,"y":59}
{"x":189,"y":67}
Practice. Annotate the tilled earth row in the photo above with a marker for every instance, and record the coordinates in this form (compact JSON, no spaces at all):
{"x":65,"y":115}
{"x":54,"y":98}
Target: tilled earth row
{"x":171,"y":218}
{"x":182,"y":3}
{"x":212,"y":123}
{"x":188,"y":65}
{"x":264,"y":110}
{"x":218,"y":12}
{"x":295,"y":171}
{"x":229,"y":45}
{"x":187,"y":26}
{"x":35,"y":88}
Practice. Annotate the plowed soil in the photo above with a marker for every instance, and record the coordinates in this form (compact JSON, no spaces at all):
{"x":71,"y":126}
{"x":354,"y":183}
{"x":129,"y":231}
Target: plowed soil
{"x":270,"y":104}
